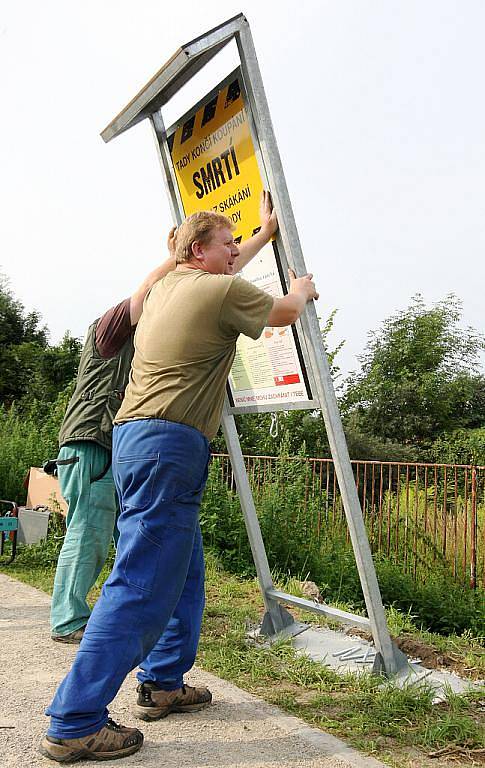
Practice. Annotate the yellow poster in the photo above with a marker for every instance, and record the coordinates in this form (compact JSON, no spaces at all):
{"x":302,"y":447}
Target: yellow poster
{"x":215,"y":163}
{"x":216,"y":168}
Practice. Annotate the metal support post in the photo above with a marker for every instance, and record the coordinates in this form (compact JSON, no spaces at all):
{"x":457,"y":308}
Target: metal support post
{"x":276,"y":620}
{"x":390,"y":659}
{"x":185,"y":63}
{"x":158,"y":128}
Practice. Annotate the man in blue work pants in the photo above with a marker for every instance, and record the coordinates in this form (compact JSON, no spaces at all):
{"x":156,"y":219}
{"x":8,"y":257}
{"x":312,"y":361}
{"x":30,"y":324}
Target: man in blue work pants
{"x":185,"y":345}
{"x":158,"y":576}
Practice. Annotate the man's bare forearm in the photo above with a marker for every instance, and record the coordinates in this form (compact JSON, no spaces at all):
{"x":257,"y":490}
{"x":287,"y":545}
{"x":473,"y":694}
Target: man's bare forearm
{"x":269,"y":224}
{"x":249,"y":248}
{"x":136,"y":300}
{"x":286,"y":310}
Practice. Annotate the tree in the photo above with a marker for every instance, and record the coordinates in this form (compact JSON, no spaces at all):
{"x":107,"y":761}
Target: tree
{"x":57,"y":367}
{"x":17,"y":326}
{"x":29,"y":367}
{"x":419,"y":375}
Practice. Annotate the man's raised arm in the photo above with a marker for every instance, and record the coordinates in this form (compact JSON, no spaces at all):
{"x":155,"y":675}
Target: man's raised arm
{"x":288,"y":309}
{"x":269,"y":225}
{"x":136,"y":300}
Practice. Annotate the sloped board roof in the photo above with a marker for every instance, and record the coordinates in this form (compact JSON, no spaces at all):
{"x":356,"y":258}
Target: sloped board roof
{"x":184,"y":64}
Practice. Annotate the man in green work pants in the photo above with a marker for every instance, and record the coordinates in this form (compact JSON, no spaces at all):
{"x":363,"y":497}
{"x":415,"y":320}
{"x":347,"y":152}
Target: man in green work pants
{"x":84,"y":460}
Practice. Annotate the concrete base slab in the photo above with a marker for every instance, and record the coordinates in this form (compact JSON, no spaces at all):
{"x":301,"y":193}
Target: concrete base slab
{"x":292,"y":630}
{"x":345,"y":654}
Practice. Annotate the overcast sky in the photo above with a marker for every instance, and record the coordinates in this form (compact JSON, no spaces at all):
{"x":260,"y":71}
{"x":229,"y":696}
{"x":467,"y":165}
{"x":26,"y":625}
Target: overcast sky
{"x":379,"y":115}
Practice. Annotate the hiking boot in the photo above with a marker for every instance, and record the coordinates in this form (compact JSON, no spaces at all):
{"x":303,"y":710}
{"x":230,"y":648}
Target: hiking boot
{"x":153,"y":704}
{"x":73,"y":638}
{"x":110,"y":742}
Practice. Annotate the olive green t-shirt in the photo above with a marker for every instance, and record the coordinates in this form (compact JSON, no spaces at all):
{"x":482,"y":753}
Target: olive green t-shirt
{"x":185,"y":344}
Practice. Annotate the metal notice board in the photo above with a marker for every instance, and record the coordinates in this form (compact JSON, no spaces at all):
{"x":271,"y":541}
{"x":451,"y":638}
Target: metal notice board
{"x":216,"y":164}
{"x":220,"y":155}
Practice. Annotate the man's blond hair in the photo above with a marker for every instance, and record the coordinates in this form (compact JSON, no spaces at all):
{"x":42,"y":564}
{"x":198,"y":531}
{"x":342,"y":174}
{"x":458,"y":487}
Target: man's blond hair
{"x":199,"y":227}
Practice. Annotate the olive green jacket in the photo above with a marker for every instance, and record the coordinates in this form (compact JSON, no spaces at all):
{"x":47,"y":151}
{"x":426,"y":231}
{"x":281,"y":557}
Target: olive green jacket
{"x":100,"y":387}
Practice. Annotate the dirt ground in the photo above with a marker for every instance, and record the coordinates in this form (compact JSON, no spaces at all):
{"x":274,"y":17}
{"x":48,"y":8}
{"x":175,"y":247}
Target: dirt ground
{"x":430,"y":657}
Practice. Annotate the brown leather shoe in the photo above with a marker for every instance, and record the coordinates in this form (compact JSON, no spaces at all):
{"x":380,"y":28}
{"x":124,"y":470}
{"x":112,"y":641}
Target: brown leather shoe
{"x":153,"y":704}
{"x":73,"y":638}
{"x":110,"y":742}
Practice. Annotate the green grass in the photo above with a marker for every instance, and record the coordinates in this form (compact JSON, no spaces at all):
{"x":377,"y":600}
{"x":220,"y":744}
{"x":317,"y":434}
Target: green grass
{"x":400,"y":727}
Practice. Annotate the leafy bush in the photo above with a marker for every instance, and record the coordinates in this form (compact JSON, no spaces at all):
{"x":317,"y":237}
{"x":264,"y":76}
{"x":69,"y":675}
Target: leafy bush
{"x":463,"y":446}
{"x":363,"y":445}
{"x":29,"y":437}
{"x":438,"y":605}
{"x":295,"y":549}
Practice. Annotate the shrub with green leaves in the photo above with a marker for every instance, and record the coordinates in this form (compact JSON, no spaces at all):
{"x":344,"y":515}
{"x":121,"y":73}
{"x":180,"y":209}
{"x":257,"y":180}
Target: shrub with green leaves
{"x":463,"y":446}
{"x":295,"y":548}
{"x":29,"y":437}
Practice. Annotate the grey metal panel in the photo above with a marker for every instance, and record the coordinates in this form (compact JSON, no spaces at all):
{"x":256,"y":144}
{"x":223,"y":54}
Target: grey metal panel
{"x":160,"y":89}
{"x":174,"y":74}
{"x":127,"y":117}
{"x":161,"y":97}
{"x":306,"y":405}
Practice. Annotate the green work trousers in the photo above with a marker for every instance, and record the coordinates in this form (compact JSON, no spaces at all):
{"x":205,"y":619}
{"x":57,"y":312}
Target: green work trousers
{"x":90,"y":522}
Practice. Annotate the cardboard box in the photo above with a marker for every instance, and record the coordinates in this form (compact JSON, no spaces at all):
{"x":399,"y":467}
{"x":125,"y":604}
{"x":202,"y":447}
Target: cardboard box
{"x":43,"y":490}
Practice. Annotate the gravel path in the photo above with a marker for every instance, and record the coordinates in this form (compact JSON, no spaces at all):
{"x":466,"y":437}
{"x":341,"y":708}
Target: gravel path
{"x":238,"y":731}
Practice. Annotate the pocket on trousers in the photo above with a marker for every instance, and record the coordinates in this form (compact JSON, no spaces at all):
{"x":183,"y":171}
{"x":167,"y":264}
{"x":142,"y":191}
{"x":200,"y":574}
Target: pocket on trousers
{"x":184,"y":509}
{"x":136,"y":476}
{"x":142,"y":559}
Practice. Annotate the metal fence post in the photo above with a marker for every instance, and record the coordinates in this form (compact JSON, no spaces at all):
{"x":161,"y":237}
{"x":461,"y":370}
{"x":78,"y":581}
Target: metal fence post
{"x":473,"y":531}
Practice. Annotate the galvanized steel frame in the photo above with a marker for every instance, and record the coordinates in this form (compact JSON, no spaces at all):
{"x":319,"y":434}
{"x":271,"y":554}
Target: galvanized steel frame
{"x":161,"y":135}
{"x":178,"y":70}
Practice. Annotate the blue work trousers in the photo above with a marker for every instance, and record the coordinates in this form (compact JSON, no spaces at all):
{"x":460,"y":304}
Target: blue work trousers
{"x":150,"y":609}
